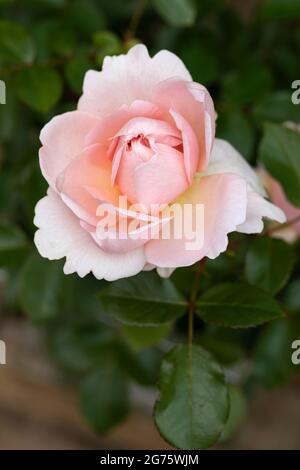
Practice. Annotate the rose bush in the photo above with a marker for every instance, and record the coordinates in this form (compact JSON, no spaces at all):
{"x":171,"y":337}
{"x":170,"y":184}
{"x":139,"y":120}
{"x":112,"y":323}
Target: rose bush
{"x":143,"y":129}
{"x":216,"y":331}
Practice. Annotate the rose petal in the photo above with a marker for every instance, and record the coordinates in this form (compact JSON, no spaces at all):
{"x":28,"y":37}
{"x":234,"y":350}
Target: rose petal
{"x":190,"y":145}
{"x":178,"y":96}
{"x":125,"y":78}
{"x":60,"y":235}
{"x":91,"y":169}
{"x":224,"y":198}
{"x":226,"y":159}
{"x":63,"y":138}
{"x":149,"y":182}
{"x":257,"y":208}
{"x":108,"y":126}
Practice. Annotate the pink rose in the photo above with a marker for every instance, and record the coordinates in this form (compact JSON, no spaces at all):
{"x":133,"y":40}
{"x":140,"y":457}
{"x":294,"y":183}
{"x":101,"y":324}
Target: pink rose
{"x":277,"y":195}
{"x":143,"y":129}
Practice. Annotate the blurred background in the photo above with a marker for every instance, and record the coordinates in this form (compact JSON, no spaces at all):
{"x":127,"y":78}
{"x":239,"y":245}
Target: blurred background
{"x":247,"y":54}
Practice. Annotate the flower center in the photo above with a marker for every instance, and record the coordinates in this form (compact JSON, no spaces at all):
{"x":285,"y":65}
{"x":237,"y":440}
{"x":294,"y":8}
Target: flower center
{"x":139,"y":146}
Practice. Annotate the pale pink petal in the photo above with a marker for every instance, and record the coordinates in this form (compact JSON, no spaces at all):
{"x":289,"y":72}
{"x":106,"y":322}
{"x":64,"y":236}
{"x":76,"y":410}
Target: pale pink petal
{"x":109,"y":125}
{"x":117,"y":157}
{"x":113,"y":244}
{"x":126,"y":78}
{"x":153,"y":129}
{"x":147,"y":127}
{"x":226,"y":159}
{"x":190,"y":145}
{"x":63,"y":138}
{"x":279,"y":198}
{"x":257,"y":208}
{"x":156,"y":181}
{"x":165,"y":272}
{"x":121,"y":230}
{"x":176,"y":95}
{"x":80,"y":210}
{"x":201,"y":95}
{"x":135,"y":211}
{"x":60,"y":235}
{"x":89,"y":170}
{"x":114,"y":241}
{"x":224,"y":198}
{"x":287,"y":234}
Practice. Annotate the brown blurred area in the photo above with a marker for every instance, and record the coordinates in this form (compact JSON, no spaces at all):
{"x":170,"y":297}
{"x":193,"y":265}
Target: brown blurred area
{"x":39,"y":411}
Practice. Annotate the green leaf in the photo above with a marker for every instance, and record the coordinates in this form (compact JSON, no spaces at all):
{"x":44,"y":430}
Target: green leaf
{"x":16,"y":45}
{"x":201,"y":60}
{"x":279,"y":151}
{"x":11,"y":237}
{"x":145,"y":300}
{"x":63,"y":40}
{"x":269,"y":263}
{"x":9,"y":117}
{"x":238,"y":408}
{"x":246,"y":85}
{"x":222,"y":344}
{"x":80,"y":299}
{"x":237,"y":305}
{"x":104,"y":398}
{"x":80,"y":347}
{"x":76,"y":68}
{"x":53,"y":37}
{"x":39,"y":87}
{"x":106,"y":40}
{"x":291,"y":298}
{"x":234,"y":127}
{"x":272,"y":365}
{"x":144,"y":337}
{"x":41,"y":288}
{"x":193,"y":405}
{"x":276,"y":107}
{"x":183,"y":279}
{"x":12,"y":244}
{"x":85,"y":16}
{"x":141,"y":366}
{"x":107,"y":43}
{"x":176,"y":12}
{"x":280,"y":9}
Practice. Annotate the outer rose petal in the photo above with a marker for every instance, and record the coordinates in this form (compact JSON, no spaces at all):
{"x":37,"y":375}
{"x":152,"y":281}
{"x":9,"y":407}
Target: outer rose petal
{"x":257,"y":208}
{"x":91,"y":169}
{"x":125,"y":78}
{"x":279,"y":198}
{"x":226,"y":159}
{"x":60,"y":235}
{"x":63,"y":138}
{"x":225,"y":200}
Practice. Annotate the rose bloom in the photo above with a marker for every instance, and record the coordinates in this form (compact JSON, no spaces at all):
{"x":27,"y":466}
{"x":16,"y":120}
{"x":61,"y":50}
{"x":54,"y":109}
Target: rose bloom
{"x":142,"y":129}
